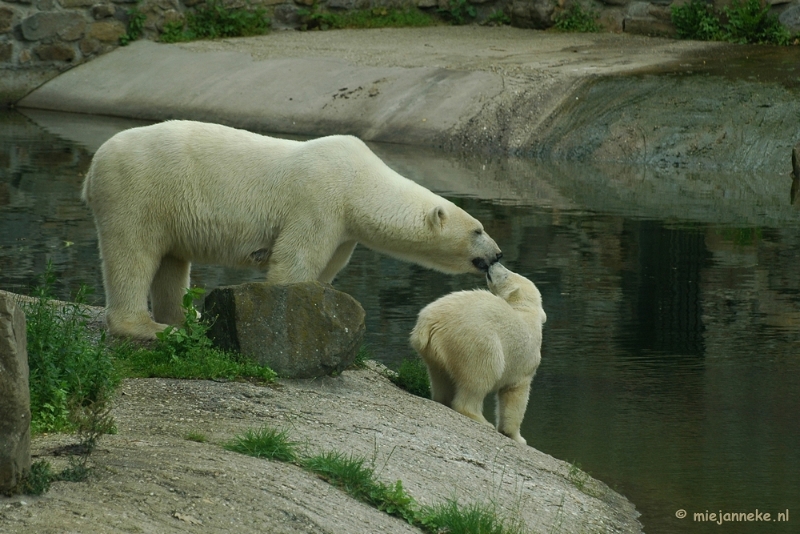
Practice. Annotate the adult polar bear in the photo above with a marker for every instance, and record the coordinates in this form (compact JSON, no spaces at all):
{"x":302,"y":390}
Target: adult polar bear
{"x":181,"y":191}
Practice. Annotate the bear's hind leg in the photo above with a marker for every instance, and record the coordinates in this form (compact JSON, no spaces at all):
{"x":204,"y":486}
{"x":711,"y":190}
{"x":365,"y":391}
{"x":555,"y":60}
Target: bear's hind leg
{"x":511,"y":404}
{"x":470,"y":403}
{"x":167,"y":290}
{"x":127,"y":280}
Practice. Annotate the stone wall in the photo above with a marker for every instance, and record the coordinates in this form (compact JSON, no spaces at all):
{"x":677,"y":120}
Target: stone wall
{"x":40,"y":38}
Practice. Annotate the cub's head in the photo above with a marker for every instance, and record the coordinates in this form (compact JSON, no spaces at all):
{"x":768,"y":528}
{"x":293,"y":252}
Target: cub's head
{"x":514,"y":288}
{"x":462,"y":241}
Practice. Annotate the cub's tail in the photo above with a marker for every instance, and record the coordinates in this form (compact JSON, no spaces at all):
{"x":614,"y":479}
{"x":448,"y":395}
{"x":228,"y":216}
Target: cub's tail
{"x":420,"y":336}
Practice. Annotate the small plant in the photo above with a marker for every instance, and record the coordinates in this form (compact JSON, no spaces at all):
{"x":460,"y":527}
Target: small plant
{"x":197,"y":437}
{"x":412,"y":376}
{"x":136,"y":20}
{"x":575,"y":19}
{"x":580,"y":479}
{"x":363,"y":356}
{"x":267,"y":443}
{"x":174,"y":32}
{"x":458,"y":12}
{"x":36,"y":482}
{"x":214,"y":20}
{"x":187,"y":352}
{"x":696,"y":20}
{"x":498,"y":18}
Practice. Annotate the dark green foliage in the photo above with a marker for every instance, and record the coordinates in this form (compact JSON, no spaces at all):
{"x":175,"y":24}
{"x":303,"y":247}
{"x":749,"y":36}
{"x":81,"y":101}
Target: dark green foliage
{"x":412,"y":376}
{"x":213,"y":20}
{"x":750,"y":22}
{"x":379,"y":17}
{"x":69,"y":372}
{"x":136,"y":20}
{"x":575,"y":19}
{"x":458,"y":12}
{"x":696,"y":20}
{"x":747,"y":22}
{"x":498,"y":18}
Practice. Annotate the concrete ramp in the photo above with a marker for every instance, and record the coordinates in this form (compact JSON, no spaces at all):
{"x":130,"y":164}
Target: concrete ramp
{"x":308,"y":96}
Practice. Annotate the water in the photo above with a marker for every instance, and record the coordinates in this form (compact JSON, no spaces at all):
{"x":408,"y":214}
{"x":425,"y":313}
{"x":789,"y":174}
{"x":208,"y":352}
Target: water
{"x":671,"y":353}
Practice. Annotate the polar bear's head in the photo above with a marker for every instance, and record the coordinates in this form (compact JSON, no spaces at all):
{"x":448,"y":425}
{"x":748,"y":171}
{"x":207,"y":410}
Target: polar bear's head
{"x":515,"y":289}
{"x":457,"y":232}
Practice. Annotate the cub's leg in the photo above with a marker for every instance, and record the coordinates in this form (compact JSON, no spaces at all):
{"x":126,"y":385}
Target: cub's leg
{"x":470,"y":403}
{"x":166,"y":292}
{"x":442,"y":390}
{"x":511,"y":404}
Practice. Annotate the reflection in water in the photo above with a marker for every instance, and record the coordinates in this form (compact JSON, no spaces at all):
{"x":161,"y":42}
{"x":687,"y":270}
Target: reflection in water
{"x":672,"y":347}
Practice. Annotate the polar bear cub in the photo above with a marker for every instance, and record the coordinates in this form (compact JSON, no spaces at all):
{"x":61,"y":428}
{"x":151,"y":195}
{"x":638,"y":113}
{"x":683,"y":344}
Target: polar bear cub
{"x":478,"y":342}
{"x":167,"y":195}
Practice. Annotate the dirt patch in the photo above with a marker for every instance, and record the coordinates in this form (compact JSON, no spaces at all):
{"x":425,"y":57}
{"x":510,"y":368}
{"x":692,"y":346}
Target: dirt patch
{"x":150,"y":478}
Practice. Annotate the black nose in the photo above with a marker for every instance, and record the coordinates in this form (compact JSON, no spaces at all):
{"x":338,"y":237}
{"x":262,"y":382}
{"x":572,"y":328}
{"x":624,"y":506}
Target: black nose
{"x":497,"y":258}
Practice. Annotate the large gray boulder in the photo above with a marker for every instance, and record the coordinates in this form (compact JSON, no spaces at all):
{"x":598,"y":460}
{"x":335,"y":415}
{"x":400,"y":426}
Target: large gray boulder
{"x":300,"y":330}
{"x":535,"y":14}
{"x":15,"y":400}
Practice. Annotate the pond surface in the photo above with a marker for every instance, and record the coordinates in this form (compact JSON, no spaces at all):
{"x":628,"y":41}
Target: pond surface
{"x":671,"y":354}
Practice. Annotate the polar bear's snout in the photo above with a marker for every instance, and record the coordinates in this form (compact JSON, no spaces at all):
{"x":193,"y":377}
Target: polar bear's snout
{"x":496,"y":274}
{"x":482,"y":265}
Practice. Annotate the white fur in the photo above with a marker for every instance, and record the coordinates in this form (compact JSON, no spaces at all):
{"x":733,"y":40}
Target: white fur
{"x":180,"y":191}
{"x":478,"y":342}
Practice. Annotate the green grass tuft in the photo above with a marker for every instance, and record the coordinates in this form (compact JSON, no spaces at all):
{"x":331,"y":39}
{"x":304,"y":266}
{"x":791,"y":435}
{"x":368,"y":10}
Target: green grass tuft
{"x":265,"y":442}
{"x":412,"y":376}
{"x":195,"y":436}
{"x":454,"y":518}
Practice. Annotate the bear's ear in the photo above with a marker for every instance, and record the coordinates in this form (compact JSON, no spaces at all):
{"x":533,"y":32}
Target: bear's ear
{"x":436,"y":217}
{"x":513,"y":295}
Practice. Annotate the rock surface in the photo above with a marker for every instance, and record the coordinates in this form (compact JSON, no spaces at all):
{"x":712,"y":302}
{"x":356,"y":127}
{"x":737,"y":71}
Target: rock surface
{"x":15,"y":402}
{"x":301,"y":330}
{"x":149,"y":477}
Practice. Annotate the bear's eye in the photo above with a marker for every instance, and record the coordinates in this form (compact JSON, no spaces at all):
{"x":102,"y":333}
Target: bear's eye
{"x":478,"y":232}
